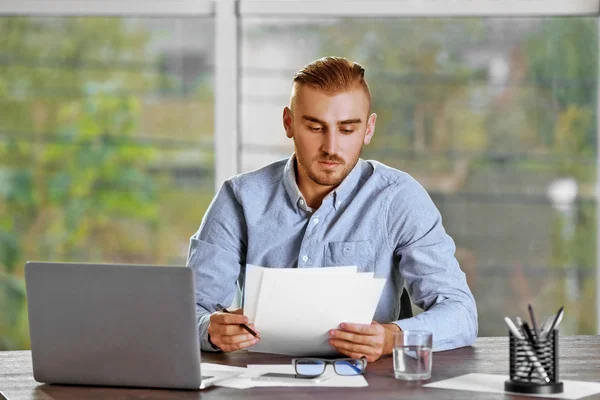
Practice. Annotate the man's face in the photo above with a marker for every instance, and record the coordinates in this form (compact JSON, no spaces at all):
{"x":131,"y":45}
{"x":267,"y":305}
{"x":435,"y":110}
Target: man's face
{"x":329,"y":131}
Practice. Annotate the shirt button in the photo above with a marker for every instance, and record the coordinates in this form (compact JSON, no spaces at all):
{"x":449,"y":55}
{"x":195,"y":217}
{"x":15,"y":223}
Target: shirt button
{"x":305,"y":258}
{"x":301,"y":202}
{"x":316,"y":220}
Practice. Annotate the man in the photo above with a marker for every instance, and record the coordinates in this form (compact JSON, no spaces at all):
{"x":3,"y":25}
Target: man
{"x":324,"y":206}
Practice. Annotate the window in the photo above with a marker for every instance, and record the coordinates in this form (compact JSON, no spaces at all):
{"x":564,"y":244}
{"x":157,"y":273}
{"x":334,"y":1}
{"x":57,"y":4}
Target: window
{"x":112,"y":139}
{"x":495,"y":117}
{"x":106,"y":144}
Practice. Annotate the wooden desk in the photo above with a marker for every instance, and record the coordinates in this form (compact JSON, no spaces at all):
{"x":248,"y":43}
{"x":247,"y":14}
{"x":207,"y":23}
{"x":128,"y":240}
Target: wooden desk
{"x":579,"y":360}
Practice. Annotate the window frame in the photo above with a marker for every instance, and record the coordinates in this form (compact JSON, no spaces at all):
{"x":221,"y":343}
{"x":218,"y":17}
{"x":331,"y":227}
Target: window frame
{"x":420,"y":8}
{"x":188,"y":8}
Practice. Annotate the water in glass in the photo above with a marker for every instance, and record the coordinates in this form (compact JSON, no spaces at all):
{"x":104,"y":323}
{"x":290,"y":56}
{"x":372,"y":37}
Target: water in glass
{"x":412,"y":362}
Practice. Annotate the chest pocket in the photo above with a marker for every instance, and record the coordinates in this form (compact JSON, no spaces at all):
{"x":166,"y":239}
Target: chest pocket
{"x":359,"y":253}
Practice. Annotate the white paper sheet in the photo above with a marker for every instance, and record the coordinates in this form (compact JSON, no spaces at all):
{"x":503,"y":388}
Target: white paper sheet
{"x":206,"y":367}
{"x":296,"y":311}
{"x":245,"y":381}
{"x":495,"y":384}
{"x":253,"y":279}
{"x":252,"y":283}
{"x":235,"y":382}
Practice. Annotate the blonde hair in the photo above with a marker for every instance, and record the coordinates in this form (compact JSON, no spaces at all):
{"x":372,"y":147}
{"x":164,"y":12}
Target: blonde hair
{"x":331,"y":75}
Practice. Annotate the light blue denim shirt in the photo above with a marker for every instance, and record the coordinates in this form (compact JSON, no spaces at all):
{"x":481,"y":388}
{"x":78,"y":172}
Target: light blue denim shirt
{"x":378,"y":218}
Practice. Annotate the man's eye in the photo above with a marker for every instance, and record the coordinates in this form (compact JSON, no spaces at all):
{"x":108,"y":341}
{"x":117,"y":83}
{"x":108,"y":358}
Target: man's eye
{"x":315,"y":129}
{"x":347,"y":131}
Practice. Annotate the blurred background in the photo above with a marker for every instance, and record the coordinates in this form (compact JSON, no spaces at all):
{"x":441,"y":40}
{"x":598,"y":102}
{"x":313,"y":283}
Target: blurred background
{"x":107,"y":140}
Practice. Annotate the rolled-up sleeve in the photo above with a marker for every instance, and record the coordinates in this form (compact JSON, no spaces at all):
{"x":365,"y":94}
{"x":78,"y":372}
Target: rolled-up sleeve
{"x":215,"y":255}
{"x":427,"y":263}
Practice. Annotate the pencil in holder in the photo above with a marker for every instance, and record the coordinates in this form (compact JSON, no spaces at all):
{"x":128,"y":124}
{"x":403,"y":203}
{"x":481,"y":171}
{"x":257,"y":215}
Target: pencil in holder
{"x":534,"y":367}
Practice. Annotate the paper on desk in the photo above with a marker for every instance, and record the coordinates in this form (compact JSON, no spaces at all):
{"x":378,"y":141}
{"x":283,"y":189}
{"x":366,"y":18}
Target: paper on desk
{"x":495,"y":384}
{"x":296,"y":311}
{"x":253,"y":279}
{"x":245,"y":381}
{"x":205,"y":367}
{"x":235,"y":382}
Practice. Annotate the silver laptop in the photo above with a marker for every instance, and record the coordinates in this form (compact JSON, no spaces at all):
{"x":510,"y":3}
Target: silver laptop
{"x":115,"y":325}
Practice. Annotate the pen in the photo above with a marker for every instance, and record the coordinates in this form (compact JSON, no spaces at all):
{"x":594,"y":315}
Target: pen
{"x":513,"y":328}
{"x":517,"y":333}
{"x":560,"y":318}
{"x":246,"y":327}
{"x":544,"y":330}
{"x":535,"y":327}
{"x":519,"y":322}
{"x":556,"y":321}
{"x":533,"y":357}
{"x":528,"y":334}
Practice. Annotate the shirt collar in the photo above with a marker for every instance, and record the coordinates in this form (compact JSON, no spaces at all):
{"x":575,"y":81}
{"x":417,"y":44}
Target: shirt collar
{"x":339,"y":194}
{"x":289,"y":181}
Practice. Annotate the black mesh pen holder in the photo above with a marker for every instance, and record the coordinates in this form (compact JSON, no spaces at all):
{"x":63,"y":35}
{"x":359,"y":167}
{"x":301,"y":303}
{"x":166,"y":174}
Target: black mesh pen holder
{"x":534,"y":368}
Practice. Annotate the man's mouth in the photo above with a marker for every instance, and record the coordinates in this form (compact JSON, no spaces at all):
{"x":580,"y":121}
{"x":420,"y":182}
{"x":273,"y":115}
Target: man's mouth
{"x":325,"y":161}
{"x":329,"y":163}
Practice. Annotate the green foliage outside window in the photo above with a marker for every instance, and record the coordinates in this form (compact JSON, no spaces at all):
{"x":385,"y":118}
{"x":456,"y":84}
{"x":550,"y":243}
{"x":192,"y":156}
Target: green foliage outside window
{"x":78,"y":180}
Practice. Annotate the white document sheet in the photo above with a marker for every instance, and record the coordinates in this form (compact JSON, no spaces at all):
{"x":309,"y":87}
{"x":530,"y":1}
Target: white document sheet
{"x":495,"y":384}
{"x":207,"y":367}
{"x":220,"y":367}
{"x":253,"y":279}
{"x":245,"y":381}
{"x":295,"y":311}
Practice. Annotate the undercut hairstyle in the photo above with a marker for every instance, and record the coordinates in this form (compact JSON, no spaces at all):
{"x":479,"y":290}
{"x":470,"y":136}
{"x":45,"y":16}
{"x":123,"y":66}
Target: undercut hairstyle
{"x":331,"y":75}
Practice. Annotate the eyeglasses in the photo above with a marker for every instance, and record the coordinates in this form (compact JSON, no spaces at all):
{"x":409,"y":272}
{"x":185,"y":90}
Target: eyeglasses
{"x":313,"y":367}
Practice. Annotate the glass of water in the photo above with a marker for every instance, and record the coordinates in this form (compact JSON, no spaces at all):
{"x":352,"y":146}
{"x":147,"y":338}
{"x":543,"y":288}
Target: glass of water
{"x":412,"y":355}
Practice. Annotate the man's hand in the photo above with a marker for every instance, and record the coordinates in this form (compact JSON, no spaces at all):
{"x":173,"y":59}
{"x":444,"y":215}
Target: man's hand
{"x":361,"y":340}
{"x":225,"y":332}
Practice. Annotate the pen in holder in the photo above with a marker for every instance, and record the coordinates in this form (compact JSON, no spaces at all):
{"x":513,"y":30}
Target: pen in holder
{"x":534,"y":366}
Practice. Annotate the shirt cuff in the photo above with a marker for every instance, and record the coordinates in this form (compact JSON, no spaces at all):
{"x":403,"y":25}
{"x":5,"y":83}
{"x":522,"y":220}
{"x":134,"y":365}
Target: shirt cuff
{"x":411,"y":324}
{"x":205,"y":344}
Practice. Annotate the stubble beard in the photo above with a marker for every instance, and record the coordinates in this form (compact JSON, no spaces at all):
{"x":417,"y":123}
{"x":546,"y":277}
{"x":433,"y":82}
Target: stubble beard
{"x":326,"y":177}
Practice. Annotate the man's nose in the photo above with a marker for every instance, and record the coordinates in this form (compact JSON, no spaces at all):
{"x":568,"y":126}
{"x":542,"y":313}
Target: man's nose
{"x":330,"y":145}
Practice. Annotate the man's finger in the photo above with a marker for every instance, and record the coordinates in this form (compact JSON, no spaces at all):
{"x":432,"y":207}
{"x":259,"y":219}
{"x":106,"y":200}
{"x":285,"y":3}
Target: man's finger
{"x":239,"y":346}
{"x":224,"y":318}
{"x":353,"y":347}
{"x":236,"y":338}
{"x":363,"y":329}
{"x":354,"y":354}
{"x":230,"y":330}
{"x":354,"y":338}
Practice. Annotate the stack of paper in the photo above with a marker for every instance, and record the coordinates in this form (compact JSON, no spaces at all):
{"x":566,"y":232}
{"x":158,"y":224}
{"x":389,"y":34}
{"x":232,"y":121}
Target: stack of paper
{"x":294,"y":309}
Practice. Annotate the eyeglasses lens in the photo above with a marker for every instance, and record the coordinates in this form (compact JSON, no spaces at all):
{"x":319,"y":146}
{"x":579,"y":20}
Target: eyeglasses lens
{"x":349,"y":367}
{"x":310,"y":367}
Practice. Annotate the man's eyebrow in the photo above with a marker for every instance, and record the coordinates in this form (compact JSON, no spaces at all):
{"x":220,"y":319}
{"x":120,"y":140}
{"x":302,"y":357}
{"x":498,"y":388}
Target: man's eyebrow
{"x":350,"y":121}
{"x":313,"y":119}
{"x":344,"y":122}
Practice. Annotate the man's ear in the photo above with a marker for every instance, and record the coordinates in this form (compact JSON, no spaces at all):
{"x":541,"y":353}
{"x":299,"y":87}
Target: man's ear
{"x":287,"y":122}
{"x":370,"y":128}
